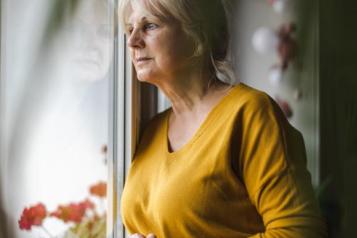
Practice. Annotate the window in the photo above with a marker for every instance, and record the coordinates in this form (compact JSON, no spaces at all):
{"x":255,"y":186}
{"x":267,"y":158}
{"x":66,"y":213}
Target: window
{"x":66,"y":128}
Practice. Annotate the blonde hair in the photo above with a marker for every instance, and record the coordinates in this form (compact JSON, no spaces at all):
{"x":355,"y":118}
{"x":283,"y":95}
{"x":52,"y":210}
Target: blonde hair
{"x":204,"y":21}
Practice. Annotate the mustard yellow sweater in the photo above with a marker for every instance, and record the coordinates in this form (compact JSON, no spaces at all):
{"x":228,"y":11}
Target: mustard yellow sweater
{"x":243,"y":174}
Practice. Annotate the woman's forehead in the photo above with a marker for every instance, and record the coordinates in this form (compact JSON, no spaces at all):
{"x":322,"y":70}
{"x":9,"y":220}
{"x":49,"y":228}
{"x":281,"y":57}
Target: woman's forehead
{"x":149,"y":9}
{"x":138,"y":14}
{"x":138,"y":10}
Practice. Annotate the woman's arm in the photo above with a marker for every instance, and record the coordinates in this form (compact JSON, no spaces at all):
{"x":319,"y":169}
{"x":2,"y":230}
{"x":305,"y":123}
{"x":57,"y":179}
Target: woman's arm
{"x":273,"y":166}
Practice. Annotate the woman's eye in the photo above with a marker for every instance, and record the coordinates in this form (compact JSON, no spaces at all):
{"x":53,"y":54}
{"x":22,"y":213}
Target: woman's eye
{"x":150,"y":26}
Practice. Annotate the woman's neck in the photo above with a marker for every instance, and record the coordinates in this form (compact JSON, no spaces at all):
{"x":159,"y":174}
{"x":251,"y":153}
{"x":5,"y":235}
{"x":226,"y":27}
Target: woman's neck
{"x":193,"y":94}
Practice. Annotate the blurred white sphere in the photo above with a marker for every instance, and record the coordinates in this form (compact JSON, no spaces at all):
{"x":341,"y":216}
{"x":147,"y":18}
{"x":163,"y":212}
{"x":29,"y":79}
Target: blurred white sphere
{"x":280,"y":6}
{"x":275,"y":75}
{"x":265,"y":40}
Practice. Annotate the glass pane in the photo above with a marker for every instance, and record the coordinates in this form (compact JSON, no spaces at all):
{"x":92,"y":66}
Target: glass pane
{"x":56,"y":68}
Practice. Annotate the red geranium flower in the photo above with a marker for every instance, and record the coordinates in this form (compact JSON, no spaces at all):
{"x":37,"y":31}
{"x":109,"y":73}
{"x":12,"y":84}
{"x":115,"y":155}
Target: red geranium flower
{"x":73,"y":212}
{"x":99,"y":189}
{"x":87,"y":204}
{"x":32,"y":216}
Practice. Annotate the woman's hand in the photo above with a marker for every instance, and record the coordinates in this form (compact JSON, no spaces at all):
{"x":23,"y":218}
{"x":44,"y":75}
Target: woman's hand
{"x":137,"y":235}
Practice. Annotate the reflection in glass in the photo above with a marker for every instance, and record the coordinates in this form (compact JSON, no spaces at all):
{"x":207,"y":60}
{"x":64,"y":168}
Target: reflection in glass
{"x":58,"y":58}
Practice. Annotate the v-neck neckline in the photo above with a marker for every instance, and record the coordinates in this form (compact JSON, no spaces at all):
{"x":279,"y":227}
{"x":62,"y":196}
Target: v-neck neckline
{"x":209,"y":117}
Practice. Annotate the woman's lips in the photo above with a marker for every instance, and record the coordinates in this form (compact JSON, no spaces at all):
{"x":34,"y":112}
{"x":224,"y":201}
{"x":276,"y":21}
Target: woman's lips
{"x":142,"y":60}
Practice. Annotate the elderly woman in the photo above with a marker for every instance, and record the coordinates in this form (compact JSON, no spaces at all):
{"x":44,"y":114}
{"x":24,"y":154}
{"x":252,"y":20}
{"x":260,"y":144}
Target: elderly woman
{"x":223,"y":161}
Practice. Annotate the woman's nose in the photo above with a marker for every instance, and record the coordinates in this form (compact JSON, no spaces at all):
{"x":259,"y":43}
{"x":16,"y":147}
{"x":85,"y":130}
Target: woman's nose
{"x":135,"y":39}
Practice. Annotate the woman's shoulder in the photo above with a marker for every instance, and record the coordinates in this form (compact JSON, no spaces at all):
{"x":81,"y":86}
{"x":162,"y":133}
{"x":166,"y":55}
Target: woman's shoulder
{"x":256,"y":107}
{"x":249,"y":99}
{"x":250,"y":106}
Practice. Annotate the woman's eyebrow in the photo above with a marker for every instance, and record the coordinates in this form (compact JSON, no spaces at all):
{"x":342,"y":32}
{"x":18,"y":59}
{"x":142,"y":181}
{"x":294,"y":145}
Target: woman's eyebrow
{"x":143,"y":19}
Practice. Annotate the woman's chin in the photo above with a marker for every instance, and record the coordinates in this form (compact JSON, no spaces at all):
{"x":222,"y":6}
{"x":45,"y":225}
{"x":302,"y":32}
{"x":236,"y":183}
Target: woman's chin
{"x":145,"y":78}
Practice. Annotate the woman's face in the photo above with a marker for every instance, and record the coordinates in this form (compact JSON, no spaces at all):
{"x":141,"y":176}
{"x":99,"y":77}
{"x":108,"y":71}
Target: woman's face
{"x":159,"y":50}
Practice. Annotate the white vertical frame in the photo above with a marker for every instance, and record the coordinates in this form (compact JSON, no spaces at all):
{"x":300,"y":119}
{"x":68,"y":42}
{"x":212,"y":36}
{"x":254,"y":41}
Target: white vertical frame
{"x":131,"y":116}
{"x":116,"y":132}
{"x":123,"y":126}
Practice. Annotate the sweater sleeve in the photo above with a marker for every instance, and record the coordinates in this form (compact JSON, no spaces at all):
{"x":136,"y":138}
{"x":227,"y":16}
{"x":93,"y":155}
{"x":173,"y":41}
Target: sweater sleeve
{"x":273,"y":167}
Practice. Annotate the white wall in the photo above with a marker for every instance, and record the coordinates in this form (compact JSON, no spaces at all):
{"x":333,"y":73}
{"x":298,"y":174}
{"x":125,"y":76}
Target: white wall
{"x":253,"y":68}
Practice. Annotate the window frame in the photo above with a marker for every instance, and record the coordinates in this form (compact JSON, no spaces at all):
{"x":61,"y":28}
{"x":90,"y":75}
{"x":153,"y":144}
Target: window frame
{"x":120,"y":128}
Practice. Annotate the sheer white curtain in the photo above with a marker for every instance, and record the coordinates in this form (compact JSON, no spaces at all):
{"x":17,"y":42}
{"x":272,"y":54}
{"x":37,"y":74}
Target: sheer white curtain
{"x":56,"y":67}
